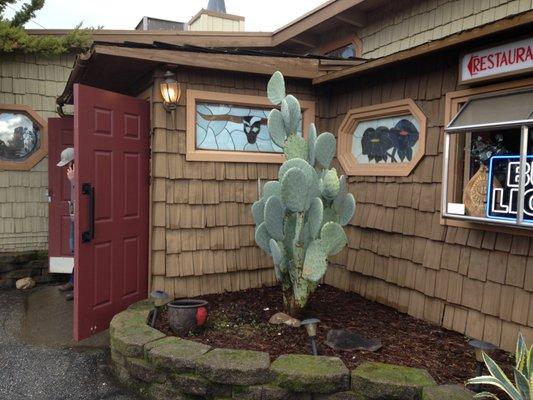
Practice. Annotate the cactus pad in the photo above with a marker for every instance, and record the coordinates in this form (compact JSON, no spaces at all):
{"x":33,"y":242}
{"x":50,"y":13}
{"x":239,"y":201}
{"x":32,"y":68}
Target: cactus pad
{"x":315,"y":263}
{"x":275,"y":251}
{"x":315,"y":216}
{"x":330,"y":184}
{"x":295,"y":147}
{"x":347,"y":209}
{"x":262,"y":238}
{"x":292,"y":114}
{"x":333,"y":238}
{"x":273,"y":217}
{"x":311,"y":141}
{"x":293,"y":193}
{"x":276,"y":127}
{"x":258,"y":209}
{"x":276,"y":88}
{"x":325,"y":148}
{"x":271,"y":188}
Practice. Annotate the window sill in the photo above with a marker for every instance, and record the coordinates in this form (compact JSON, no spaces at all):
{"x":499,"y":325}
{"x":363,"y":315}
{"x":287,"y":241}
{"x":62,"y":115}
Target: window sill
{"x":487,"y":226}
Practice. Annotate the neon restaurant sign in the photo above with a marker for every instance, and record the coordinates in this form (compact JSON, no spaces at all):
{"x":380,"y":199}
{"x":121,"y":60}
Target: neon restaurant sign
{"x":504,"y":182}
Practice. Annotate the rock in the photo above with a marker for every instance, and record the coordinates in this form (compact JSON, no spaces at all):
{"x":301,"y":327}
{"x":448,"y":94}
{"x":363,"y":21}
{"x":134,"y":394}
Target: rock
{"x":192,"y":384}
{"x":348,"y":395}
{"x":392,"y":382}
{"x":282,"y":318}
{"x":129,"y":340}
{"x":176,"y":354}
{"x":271,"y":392}
{"x":447,"y":392}
{"x":314,"y":374}
{"x":144,"y":371}
{"x":235,"y":367}
{"x":25,"y":283}
{"x":247,"y":393}
{"x":340,"y":339}
{"x":165,"y":392}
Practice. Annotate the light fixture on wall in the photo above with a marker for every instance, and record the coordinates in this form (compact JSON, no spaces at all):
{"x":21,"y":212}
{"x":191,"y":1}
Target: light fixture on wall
{"x":171,"y":91}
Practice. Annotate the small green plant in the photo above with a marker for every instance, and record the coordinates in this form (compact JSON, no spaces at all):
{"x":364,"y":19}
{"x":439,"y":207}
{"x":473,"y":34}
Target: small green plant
{"x":299,"y":218}
{"x":522,"y":389}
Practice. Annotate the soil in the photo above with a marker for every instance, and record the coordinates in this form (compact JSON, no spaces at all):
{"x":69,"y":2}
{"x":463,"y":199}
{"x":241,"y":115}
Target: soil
{"x":239,"y":320}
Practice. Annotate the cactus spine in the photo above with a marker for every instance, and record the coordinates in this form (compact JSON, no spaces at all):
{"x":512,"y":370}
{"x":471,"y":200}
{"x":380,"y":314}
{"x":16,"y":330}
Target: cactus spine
{"x":299,"y":218}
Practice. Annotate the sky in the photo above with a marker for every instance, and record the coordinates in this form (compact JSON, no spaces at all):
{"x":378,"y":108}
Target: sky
{"x":261,"y":15}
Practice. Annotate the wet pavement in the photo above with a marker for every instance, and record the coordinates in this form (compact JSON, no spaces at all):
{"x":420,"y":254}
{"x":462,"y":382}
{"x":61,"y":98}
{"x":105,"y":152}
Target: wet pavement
{"x":38,"y":358}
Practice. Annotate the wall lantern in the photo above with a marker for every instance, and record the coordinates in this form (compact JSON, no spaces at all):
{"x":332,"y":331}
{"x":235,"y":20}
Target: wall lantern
{"x":171,"y":91}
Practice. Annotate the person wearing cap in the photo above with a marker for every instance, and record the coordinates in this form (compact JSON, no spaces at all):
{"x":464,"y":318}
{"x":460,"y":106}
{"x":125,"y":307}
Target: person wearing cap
{"x":67,"y":160}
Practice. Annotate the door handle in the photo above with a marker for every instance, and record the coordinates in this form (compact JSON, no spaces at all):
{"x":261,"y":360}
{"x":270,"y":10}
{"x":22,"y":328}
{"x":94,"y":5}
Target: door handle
{"x":88,"y":190}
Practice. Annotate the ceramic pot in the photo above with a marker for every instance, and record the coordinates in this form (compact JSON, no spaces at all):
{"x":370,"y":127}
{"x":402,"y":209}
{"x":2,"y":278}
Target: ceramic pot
{"x":186,"y":315}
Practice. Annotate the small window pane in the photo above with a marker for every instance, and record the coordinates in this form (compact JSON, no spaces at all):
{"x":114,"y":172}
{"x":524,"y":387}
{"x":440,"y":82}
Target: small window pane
{"x":20,"y":136}
{"x":504,"y":108}
{"x":386,"y":140}
{"x":229,"y":127}
{"x":482,"y":179}
{"x":343,"y":52}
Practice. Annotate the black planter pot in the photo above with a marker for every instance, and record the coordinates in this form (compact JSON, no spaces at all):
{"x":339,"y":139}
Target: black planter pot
{"x":187,"y":315}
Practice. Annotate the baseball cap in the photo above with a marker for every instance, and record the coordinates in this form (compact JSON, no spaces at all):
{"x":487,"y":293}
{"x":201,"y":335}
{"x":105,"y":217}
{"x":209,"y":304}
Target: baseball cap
{"x":67,"y":156}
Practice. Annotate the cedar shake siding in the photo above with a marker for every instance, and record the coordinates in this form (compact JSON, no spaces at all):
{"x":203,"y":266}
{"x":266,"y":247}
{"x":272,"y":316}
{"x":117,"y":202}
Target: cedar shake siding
{"x":35,"y":81}
{"x":479,"y":283}
{"x":402,"y":24}
{"x":202,"y":227}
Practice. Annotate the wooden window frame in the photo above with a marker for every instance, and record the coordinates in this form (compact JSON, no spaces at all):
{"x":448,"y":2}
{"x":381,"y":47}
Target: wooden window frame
{"x":194,"y":154}
{"x":344,"y":41}
{"x":391,"y":109}
{"x":37,"y":156}
{"x":453,"y":103}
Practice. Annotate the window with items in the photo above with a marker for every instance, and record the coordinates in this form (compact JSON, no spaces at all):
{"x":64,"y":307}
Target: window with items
{"x":488,"y":160}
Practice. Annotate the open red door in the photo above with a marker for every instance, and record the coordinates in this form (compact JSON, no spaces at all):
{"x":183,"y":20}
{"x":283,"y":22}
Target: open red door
{"x":112,"y":147}
{"x":60,"y":136}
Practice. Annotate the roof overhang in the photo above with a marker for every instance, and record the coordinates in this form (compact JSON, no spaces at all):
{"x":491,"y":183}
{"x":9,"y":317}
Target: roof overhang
{"x":515,"y":23}
{"x":125,"y":69}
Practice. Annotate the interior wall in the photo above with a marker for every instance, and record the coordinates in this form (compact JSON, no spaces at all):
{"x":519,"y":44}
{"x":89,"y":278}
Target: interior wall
{"x":202,"y":227}
{"x":476,"y":282}
{"x":35,"y":81}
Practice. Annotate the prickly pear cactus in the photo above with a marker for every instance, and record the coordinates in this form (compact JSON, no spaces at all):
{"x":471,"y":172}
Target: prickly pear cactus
{"x":299,"y":218}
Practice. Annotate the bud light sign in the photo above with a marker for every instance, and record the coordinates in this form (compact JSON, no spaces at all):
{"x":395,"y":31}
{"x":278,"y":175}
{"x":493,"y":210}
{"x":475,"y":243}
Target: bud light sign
{"x":504,"y":179}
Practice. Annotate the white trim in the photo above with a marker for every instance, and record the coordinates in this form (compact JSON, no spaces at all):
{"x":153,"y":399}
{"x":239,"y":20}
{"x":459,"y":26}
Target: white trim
{"x":61,"y":265}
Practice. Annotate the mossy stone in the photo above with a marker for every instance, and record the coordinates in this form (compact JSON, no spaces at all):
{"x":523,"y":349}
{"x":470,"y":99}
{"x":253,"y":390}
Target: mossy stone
{"x":393,"y":382}
{"x":314,"y":374}
{"x":143,"y":305}
{"x":191,"y":384}
{"x":176,"y":354}
{"x":129,"y":340}
{"x":144,"y":371}
{"x":272,"y":392}
{"x":447,"y":392}
{"x":235,"y":367}
{"x":127,"y":319}
{"x":247,"y":393}
{"x":347,"y":395}
{"x":166,"y":391}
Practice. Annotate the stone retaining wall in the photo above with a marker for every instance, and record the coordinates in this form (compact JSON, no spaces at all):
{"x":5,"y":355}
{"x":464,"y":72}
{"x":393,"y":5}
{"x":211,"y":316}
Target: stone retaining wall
{"x":14,"y":266}
{"x":161,"y":367}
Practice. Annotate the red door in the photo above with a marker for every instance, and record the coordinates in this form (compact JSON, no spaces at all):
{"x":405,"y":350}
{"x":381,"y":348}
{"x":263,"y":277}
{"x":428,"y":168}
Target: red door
{"x":112,"y":147}
{"x":60,"y":136}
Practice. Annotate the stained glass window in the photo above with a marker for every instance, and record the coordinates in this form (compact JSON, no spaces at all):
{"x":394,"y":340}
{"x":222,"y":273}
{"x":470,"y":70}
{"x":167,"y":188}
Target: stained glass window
{"x":386,"y":140}
{"x":229,"y":127}
{"x":20,"y":136}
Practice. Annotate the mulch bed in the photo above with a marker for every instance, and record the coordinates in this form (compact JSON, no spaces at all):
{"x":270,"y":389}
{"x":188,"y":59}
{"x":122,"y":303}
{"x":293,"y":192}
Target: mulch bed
{"x":239,"y":320}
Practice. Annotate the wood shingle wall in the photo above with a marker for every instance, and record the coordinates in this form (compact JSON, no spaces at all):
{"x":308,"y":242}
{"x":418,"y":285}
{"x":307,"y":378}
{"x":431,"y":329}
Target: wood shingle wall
{"x":34,"y":81}
{"x":474,"y":282}
{"x":402,"y":24}
{"x":202,"y":227}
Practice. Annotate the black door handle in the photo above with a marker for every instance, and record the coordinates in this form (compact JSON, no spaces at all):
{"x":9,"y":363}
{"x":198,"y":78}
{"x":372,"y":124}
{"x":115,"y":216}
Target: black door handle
{"x":88,"y":189}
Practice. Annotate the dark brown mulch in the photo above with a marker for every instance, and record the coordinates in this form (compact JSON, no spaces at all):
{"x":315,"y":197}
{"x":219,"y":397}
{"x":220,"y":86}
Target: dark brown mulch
{"x":240,"y":320}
